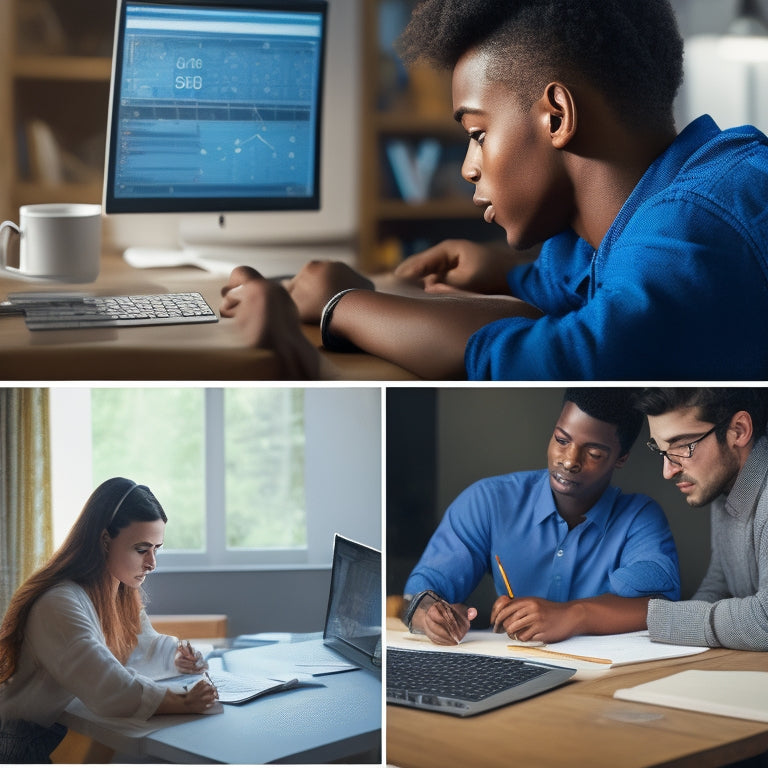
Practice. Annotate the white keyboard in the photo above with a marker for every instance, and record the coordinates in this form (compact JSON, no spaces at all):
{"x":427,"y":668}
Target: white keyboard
{"x":52,"y":311}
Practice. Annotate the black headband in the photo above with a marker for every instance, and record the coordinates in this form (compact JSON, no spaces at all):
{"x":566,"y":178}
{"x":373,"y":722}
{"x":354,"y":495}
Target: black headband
{"x":119,"y":503}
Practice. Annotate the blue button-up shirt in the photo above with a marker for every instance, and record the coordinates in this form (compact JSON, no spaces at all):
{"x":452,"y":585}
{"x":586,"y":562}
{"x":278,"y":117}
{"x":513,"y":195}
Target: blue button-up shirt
{"x":624,"y":546}
{"x":678,"y":288}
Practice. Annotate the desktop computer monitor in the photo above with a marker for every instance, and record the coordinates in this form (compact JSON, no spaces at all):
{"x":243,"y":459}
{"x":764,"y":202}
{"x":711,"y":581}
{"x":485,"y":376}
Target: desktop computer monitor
{"x":216,"y":116}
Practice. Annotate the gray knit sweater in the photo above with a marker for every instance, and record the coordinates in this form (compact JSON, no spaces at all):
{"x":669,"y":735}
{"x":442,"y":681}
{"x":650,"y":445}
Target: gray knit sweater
{"x":730,"y":608}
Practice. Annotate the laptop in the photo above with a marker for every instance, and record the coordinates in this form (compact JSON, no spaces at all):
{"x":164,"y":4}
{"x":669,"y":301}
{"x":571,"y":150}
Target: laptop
{"x":464,"y":684}
{"x":351,"y":636}
{"x":353,"y":617}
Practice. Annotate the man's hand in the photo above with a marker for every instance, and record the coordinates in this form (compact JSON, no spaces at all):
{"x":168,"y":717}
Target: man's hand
{"x":268,"y":319}
{"x":443,"y":623}
{"x":534,"y":619}
{"x":318,"y":282}
{"x":459,"y":266}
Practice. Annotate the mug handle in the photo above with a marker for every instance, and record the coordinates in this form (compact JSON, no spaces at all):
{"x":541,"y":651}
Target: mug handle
{"x":4,"y":242}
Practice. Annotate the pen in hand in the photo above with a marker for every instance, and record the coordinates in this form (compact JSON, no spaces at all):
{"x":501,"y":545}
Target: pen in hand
{"x":511,"y":597}
{"x":448,"y":620}
{"x":191,"y":655}
{"x":212,"y":684}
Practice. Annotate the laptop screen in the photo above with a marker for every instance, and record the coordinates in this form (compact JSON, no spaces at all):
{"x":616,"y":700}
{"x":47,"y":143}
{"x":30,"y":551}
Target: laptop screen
{"x":353,"y":619}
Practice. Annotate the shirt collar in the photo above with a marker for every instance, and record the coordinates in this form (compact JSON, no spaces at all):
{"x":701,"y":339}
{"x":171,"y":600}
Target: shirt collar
{"x":598,"y":515}
{"x":662,"y":172}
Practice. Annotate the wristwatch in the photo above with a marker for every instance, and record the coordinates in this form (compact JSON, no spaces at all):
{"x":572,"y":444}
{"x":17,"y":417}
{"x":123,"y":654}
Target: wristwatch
{"x":414,"y":604}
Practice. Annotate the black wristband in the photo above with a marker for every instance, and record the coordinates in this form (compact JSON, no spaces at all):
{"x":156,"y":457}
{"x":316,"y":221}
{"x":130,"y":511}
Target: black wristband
{"x":331,"y":342}
{"x":415,"y":603}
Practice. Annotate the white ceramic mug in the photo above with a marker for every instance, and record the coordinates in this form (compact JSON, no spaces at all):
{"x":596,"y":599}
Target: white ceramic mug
{"x":58,"y":241}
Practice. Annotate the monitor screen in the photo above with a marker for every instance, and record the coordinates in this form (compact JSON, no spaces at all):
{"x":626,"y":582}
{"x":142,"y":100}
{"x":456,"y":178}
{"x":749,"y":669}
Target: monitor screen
{"x":216,"y":106}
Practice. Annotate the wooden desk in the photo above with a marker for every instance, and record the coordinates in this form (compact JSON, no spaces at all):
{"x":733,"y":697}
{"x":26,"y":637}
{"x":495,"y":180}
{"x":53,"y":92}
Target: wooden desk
{"x":581,"y":724}
{"x":205,"y":352}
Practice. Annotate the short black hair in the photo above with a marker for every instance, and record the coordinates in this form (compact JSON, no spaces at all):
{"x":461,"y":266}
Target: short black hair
{"x":716,"y":404}
{"x":630,"y":50}
{"x":613,"y":405}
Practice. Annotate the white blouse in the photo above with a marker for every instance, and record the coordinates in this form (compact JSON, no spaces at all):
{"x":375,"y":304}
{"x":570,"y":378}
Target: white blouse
{"x":64,"y":655}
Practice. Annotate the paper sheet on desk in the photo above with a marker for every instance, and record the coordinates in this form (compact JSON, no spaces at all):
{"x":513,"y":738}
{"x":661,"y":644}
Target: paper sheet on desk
{"x":321,"y":661}
{"x":616,"y":650}
{"x":481,"y":641}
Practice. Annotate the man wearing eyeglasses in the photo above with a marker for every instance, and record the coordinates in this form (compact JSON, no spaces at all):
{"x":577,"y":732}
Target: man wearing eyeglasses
{"x":713,"y":446}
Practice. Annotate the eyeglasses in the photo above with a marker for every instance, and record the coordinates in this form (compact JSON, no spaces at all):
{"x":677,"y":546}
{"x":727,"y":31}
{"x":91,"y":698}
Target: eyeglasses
{"x":682,"y":451}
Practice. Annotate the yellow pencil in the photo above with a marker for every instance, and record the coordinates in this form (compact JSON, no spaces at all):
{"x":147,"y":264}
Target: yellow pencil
{"x":504,"y":576}
{"x":558,"y":654}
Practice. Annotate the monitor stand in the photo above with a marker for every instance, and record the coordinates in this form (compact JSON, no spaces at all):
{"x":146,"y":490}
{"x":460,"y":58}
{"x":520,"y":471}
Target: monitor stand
{"x":271,"y":261}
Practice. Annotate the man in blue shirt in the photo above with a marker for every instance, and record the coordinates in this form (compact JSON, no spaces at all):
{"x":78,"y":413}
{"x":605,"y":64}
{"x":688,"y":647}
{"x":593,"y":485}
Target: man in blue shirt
{"x":572,"y":547}
{"x":692,"y":238}
{"x":655,"y":245}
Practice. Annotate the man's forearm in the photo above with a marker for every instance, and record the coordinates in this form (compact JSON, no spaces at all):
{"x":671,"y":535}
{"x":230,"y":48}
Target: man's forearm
{"x":427,"y":336}
{"x":609,"y":614}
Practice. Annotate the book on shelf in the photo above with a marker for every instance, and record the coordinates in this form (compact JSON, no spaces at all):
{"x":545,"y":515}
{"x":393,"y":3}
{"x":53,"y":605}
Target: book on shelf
{"x":413,"y":166}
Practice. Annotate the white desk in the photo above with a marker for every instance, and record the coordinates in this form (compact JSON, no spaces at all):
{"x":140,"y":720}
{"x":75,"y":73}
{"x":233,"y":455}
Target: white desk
{"x":338,"y":721}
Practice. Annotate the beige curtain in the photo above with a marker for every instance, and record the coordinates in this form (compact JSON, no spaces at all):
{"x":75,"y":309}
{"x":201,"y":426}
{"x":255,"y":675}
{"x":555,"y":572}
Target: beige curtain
{"x":26,"y":525}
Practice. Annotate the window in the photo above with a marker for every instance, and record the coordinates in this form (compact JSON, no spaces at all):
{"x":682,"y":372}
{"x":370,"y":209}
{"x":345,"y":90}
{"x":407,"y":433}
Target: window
{"x":246,"y":475}
{"x":157,"y":438}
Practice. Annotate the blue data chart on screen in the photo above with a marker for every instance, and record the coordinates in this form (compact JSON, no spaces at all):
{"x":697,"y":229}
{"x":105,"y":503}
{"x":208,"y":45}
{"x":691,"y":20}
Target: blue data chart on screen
{"x":218,"y":102}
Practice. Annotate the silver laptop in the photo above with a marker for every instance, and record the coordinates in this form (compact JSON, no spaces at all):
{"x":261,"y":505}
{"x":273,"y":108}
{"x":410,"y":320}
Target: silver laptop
{"x":353,"y":618}
{"x":464,"y":684}
{"x":351,"y":636}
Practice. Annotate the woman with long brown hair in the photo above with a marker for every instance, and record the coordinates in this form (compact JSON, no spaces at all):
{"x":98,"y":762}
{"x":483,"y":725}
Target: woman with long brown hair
{"x":77,"y":629}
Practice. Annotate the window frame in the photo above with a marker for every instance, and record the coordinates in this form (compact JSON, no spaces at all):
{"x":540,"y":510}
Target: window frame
{"x":342,"y":450}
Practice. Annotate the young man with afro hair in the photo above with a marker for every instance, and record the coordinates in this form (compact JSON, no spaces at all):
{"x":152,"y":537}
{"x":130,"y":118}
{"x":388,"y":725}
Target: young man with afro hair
{"x":654,"y":243}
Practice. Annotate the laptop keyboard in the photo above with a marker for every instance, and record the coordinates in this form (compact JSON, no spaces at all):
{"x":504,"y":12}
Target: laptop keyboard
{"x":453,"y":677}
{"x":52,"y":312}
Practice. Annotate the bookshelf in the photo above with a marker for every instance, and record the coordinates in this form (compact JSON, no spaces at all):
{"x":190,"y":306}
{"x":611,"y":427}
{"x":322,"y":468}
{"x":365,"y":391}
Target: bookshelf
{"x":412,"y":191}
{"x":55,"y":62}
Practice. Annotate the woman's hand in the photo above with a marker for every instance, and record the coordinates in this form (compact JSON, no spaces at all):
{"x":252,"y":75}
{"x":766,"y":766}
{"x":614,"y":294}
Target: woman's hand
{"x":201,"y":697}
{"x":196,"y":701}
{"x":187,"y":660}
